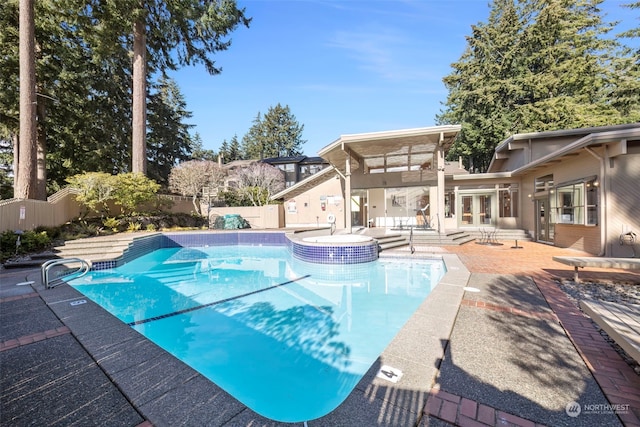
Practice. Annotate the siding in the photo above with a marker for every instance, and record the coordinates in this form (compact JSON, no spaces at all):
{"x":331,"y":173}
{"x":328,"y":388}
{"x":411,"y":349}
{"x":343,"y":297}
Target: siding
{"x":623,"y":201}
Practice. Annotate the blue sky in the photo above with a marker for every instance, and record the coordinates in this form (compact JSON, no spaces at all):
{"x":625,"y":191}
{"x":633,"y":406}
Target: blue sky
{"x":342,"y":67}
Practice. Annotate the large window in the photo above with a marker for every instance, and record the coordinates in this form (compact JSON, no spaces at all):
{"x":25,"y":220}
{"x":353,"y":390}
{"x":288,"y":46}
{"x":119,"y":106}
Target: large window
{"x":577,"y":202}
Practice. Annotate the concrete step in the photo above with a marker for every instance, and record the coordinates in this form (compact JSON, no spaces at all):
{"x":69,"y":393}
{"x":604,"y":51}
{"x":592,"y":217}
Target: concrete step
{"x":96,"y":248}
{"x":389,"y":241}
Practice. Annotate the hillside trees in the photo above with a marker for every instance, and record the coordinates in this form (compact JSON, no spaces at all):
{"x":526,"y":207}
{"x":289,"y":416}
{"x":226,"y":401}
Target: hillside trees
{"x":84,"y":74}
{"x":82,"y":92}
{"x":535,"y":66}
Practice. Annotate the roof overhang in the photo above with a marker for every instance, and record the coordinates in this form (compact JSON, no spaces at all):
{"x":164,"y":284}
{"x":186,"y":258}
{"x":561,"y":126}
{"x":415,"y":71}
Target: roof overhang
{"x":390,"y":149}
{"x":522,"y":140}
{"x":306,"y":184}
{"x":616,"y":140}
{"x":480,"y":176}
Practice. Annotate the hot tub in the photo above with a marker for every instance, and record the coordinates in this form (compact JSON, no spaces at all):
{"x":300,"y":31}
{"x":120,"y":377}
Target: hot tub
{"x":336,"y":249}
{"x":338,"y":238}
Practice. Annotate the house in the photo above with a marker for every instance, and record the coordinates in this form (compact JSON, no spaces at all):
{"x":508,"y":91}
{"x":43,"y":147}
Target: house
{"x":297,"y":168}
{"x":571,"y":188}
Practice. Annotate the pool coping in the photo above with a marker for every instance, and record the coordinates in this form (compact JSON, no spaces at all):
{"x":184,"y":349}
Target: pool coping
{"x":168,"y":392}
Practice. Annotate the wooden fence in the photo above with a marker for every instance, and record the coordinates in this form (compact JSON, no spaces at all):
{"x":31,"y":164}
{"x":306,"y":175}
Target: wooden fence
{"x":27,"y":214}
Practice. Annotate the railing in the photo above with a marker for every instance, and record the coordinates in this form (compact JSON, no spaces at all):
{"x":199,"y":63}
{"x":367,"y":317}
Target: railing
{"x":411,"y":240}
{"x":80,"y":271}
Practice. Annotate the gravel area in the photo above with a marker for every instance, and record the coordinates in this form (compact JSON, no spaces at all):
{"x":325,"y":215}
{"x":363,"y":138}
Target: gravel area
{"x":620,"y":293}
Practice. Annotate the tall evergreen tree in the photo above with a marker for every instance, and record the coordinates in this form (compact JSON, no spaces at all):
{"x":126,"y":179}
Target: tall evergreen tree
{"x":174,"y":34}
{"x":625,"y":95}
{"x":224,"y":151}
{"x":83,"y":99}
{"x":482,"y":86}
{"x":235,"y":151}
{"x":535,"y":65}
{"x":25,"y":179}
{"x":169,"y":138}
{"x":278,"y":134}
{"x":198,"y":152}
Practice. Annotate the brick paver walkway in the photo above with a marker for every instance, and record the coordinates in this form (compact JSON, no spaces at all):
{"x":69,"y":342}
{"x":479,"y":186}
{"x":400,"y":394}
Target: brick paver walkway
{"x":620,"y":384}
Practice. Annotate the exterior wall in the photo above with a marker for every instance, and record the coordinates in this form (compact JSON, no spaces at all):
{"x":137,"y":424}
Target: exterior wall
{"x":541,"y":148}
{"x":306,"y":209}
{"x":575,"y":236}
{"x":622,"y":201}
{"x":579,"y":237}
{"x":260,"y":217}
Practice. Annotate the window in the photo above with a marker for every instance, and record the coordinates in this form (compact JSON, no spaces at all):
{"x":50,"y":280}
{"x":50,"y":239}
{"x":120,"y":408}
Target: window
{"x":577,"y":202}
{"x":508,"y":201}
{"x":449,"y":204}
{"x":592,"y":202}
{"x":289,"y":170}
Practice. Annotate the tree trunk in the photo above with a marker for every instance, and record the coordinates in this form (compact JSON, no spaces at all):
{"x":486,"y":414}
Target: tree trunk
{"x":194,"y":200}
{"x":25,"y":186}
{"x":41,"y":153}
{"x":139,"y":108}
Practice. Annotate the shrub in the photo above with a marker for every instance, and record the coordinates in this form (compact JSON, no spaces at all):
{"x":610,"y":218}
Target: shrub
{"x":30,"y":241}
{"x":133,"y":190}
{"x":130,"y":191}
{"x":111,"y":223}
{"x":134,"y":226}
{"x":95,"y":190}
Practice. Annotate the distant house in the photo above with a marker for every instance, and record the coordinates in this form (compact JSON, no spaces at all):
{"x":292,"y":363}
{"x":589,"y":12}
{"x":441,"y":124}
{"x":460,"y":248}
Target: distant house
{"x":572,"y":188}
{"x":297,"y":168}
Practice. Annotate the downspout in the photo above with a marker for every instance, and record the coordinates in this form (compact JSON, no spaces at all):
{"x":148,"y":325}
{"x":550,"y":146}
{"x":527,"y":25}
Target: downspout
{"x":603,"y":199}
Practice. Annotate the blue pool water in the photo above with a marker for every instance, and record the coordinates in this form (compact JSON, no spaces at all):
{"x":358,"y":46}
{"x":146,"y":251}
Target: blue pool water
{"x":287,"y":338}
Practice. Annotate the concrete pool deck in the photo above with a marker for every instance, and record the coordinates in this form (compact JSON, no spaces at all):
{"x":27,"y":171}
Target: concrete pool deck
{"x":510,"y":349}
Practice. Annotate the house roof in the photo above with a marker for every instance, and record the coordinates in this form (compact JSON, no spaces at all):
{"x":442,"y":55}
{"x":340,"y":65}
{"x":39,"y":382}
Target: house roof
{"x":294,"y":159}
{"x":405,"y":147}
{"x":592,"y":136}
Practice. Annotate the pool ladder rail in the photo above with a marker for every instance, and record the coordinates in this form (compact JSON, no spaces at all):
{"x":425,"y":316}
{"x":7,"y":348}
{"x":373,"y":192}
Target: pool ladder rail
{"x":83,"y":268}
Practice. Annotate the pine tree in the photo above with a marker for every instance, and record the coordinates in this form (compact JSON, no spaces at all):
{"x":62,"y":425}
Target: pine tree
{"x":174,"y":34}
{"x":235,"y":151}
{"x":278,"y":134}
{"x":169,"y":141}
{"x":535,"y":65}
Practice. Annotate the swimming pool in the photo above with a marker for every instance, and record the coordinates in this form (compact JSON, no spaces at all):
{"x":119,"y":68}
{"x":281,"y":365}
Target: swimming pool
{"x":287,"y":338}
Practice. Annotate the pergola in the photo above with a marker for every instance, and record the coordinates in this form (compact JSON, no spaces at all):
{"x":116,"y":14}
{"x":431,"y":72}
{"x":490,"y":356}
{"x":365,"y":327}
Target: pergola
{"x":391,"y":151}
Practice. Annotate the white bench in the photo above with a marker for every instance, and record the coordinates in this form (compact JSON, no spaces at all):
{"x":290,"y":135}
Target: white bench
{"x":621,"y":322}
{"x":598,"y":262}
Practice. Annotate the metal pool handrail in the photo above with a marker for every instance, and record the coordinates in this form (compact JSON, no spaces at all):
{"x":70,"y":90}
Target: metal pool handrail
{"x":47,"y":265}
